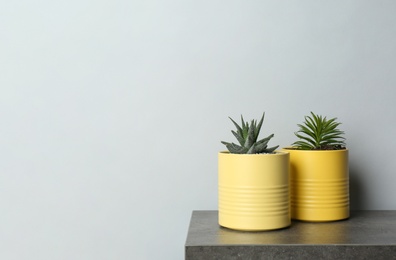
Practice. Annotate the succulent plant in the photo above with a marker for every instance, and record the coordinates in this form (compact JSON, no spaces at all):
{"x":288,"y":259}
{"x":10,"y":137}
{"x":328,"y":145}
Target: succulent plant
{"x":318,"y":133}
{"x":247,"y":135}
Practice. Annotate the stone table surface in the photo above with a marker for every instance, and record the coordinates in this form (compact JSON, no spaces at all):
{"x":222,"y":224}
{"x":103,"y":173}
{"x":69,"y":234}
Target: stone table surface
{"x":365,"y":235}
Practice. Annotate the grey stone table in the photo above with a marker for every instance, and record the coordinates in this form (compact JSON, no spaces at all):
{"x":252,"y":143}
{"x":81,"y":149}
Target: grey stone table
{"x":365,"y":235}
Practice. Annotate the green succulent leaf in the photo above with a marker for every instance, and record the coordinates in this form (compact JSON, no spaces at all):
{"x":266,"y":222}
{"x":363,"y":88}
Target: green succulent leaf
{"x":252,"y":149}
{"x":234,"y":148}
{"x":258,"y":128}
{"x":238,"y":137}
{"x":266,"y":140}
{"x":239,"y":129}
{"x":272,"y":149}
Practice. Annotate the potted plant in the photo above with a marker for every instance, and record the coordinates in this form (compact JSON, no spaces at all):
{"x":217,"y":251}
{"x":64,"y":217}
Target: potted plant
{"x":253,"y":182}
{"x":319,"y":172}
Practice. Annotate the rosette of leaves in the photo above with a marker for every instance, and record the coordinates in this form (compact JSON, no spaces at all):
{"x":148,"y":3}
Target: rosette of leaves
{"x":319,"y":133}
{"x":247,"y":135}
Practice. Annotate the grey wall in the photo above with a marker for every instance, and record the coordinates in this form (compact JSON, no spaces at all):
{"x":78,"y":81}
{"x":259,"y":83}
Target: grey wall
{"x":112,"y":112}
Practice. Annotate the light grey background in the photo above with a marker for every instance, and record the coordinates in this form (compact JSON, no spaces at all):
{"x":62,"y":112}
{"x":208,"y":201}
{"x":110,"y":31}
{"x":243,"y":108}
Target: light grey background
{"x":112,"y":112}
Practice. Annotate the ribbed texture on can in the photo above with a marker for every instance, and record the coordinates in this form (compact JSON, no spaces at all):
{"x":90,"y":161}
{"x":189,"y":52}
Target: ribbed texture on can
{"x":320,"y":194}
{"x":254,"y":201}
